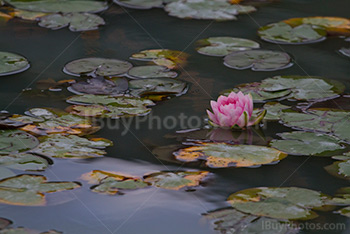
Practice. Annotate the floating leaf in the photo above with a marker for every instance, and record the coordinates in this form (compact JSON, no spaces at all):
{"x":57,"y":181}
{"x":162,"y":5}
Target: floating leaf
{"x":14,"y":141}
{"x":111,"y":183}
{"x":281,"y":203}
{"x":345,"y":211}
{"x":142,"y":72}
{"x":230,"y":220}
{"x":21,"y":230}
{"x":71,"y":146}
{"x":97,"y":66}
{"x":162,"y":57}
{"x":77,"y":22}
{"x":207,"y":9}
{"x":5,"y":173}
{"x":140,"y":4}
{"x":28,"y":15}
{"x":340,"y":169}
{"x":63,"y":6}
{"x":283,"y":33}
{"x":345,"y":51}
{"x":157,"y":86}
{"x":307,"y":143}
{"x":258,"y":60}
{"x":225,"y":155}
{"x":222,"y":46}
{"x":28,"y":190}
{"x":88,"y":99}
{"x":100,"y":85}
{"x":11,"y":63}
{"x":24,"y":161}
{"x":274,"y":110}
{"x":176,"y":180}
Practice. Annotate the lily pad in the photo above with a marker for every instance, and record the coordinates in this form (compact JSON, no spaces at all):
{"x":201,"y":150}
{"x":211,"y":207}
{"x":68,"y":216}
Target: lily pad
{"x":162,"y":57}
{"x":340,"y":169}
{"x":230,"y":220}
{"x":258,"y":60}
{"x":100,"y":85}
{"x":77,"y":22}
{"x":97,"y":66}
{"x":143,"y":72}
{"x":24,"y":161}
{"x":140,"y":4}
{"x":274,"y":110}
{"x":290,"y":203}
{"x":222,"y":46}
{"x":220,"y":155}
{"x":111,"y":183}
{"x":71,"y":146}
{"x":345,"y":51}
{"x":157,"y":86}
{"x":15,"y":141}
{"x":5,"y":173}
{"x":176,"y":180}
{"x":307,"y":143}
{"x":28,"y":190}
{"x":11,"y":63}
{"x":207,"y":9}
{"x":345,"y":211}
{"x":29,"y":15}
{"x":63,"y":6}
{"x":89,"y":99}
{"x":282,"y":33}
{"x":22,"y":230}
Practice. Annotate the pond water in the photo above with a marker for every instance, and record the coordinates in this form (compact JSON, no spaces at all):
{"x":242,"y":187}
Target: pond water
{"x":155,"y":210}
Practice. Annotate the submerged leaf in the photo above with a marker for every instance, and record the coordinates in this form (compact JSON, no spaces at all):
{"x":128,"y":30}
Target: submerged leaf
{"x":11,"y":63}
{"x":143,"y":72}
{"x":24,"y":161}
{"x":28,"y":190}
{"x":15,"y":141}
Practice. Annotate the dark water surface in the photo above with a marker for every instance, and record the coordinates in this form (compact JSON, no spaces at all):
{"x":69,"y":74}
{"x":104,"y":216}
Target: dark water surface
{"x":128,"y":31}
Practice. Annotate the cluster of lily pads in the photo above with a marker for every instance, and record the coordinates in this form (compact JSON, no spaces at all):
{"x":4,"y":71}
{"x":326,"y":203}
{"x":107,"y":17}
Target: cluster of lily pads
{"x":240,"y":54}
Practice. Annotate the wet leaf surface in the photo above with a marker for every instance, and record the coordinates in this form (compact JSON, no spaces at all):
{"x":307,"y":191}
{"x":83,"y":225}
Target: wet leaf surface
{"x":281,"y":203}
{"x":14,"y":141}
{"x":71,"y":146}
{"x":258,"y":60}
{"x":97,"y":66}
{"x":77,"y":22}
{"x":144,"y":72}
{"x":11,"y":63}
{"x":28,"y":190}
{"x":176,"y":180}
{"x":218,"y":155}
{"x":24,"y":161}
{"x":307,"y":143}
{"x":222,"y":46}
{"x":157,"y":86}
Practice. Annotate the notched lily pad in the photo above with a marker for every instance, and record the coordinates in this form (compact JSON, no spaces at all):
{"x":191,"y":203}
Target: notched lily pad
{"x":176,"y":180}
{"x":71,"y":146}
{"x":111,"y":183}
{"x":143,"y":72}
{"x":77,"y":22}
{"x":24,"y":161}
{"x":15,"y":141}
{"x":218,"y":155}
{"x":97,"y":66}
{"x":282,"y":33}
{"x":307,"y":143}
{"x":258,"y":60}
{"x":207,"y":9}
{"x":222,"y":46}
{"x":290,"y":203}
{"x":157,"y":86}
{"x":29,"y":190}
{"x":11,"y":63}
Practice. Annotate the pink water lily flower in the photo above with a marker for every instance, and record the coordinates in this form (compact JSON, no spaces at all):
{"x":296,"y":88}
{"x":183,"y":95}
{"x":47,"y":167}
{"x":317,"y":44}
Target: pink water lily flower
{"x":234,"y":110}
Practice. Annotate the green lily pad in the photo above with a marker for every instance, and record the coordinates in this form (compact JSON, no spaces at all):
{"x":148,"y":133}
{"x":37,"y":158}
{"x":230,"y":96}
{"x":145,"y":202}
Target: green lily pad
{"x":257,"y":92}
{"x":71,"y":146}
{"x":5,"y":173}
{"x":111,"y":183}
{"x":307,"y":143}
{"x":341,"y":198}
{"x":345,"y":51}
{"x":15,"y":141}
{"x":97,"y":66}
{"x":345,"y":211}
{"x":282,"y":33}
{"x":230,"y":220}
{"x":63,"y":6}
{"x":24,"y":161}
{"x":258,"y":60}
{"x":100,"y":85}
{"x":218,"y":155}
{"x":304,"y":87}
{"x":157,"y":86}
{"x":77,"y":22}
{"x":281,"y":203}
{"x":11,"y":63}
{"x":274,"y":110}
{"x":207,"y":9}
{"x":176,"y":180}
{"x":340,"y":169}
{"x":144,"y":72}
{"x":222,"y":46}
{"x":89,"y":99}
{"x":140,"y":4}
{"x":28,"y":190}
